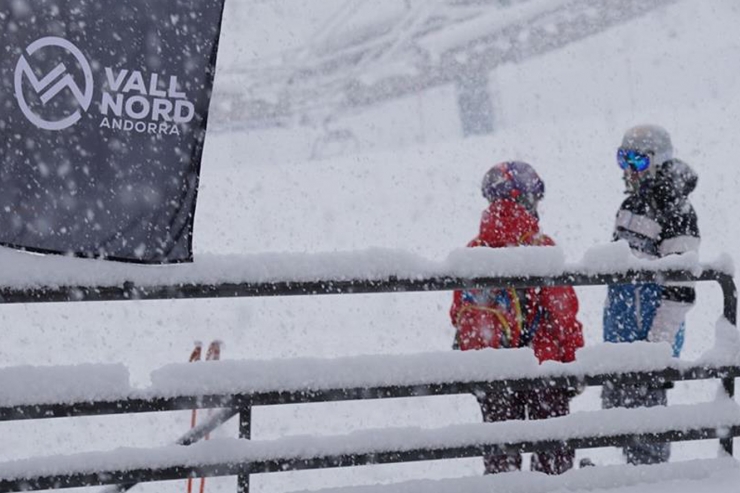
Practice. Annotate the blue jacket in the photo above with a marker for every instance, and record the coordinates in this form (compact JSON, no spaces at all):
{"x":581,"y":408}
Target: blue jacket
{"x":630,"y":311}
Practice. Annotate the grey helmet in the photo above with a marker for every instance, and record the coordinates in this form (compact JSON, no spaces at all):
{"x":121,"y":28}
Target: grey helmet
{"x":650,"y":139}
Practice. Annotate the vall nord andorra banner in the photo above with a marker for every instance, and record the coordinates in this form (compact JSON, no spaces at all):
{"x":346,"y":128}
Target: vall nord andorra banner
{"x":103,"y":110}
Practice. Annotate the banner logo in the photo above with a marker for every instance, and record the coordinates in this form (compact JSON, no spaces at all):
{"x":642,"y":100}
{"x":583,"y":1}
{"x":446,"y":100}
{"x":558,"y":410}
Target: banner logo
{"x":102,"y":129}
{"x":50,"y":85}
{"x":152,"y":104}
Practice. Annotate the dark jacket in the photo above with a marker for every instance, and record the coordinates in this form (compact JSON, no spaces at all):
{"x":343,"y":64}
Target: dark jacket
{"x":658,"y":220}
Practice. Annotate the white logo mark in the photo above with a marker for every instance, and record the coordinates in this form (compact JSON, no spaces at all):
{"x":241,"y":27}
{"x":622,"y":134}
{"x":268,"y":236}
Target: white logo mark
{"x":47,"y":93}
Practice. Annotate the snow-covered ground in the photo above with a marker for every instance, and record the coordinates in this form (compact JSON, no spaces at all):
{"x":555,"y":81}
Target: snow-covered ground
{"x":413,"y":185}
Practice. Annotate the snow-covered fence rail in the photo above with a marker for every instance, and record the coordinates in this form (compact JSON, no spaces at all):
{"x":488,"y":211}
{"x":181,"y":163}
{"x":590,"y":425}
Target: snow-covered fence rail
{"x":226,"y":457}
{"x":96,"y":390}
{"x":391,"y":284}
{"x":239,"y":386}
{"x":31,"y":279}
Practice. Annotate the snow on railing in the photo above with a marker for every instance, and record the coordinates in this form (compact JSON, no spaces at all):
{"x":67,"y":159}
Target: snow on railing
{"x":238,"y":386}
{"x":33,"y":278}
{"x":69,"y":387}
{"x":222,"y":457}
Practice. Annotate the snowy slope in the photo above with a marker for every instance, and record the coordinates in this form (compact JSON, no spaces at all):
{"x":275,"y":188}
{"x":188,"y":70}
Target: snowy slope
{"x":564,"y":112}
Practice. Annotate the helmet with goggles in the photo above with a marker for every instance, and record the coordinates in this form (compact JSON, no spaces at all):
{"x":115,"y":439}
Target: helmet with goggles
{"x":644,"y":148}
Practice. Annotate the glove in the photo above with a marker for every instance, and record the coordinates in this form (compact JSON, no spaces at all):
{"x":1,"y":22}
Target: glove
{"x":575,"y":390}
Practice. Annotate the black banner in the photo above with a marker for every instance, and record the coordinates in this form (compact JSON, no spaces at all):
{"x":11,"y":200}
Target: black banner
{"x":103,"y":109}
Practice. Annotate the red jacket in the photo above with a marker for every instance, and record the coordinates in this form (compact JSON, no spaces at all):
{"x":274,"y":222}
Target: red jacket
{"x":552,"y":309}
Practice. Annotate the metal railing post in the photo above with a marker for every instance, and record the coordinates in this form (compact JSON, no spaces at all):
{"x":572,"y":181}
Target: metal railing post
{"x":729,"y":293}
{"x":245,"y":433}
{"x":726,"y":443}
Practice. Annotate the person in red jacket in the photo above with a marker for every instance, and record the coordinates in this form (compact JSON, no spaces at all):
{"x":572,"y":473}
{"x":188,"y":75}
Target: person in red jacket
{"x":543,"y":318}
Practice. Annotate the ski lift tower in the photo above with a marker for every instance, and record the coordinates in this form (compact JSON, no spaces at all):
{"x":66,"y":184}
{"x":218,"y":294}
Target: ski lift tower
{"x":360,"y":58}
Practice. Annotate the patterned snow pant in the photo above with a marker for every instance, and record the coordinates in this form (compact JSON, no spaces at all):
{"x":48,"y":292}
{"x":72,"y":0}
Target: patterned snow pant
{"x":632,"y":396}
{"x":541,"y":404}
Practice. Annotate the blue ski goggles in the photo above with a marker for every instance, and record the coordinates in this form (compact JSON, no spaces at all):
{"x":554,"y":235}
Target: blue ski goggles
{"x":634,"y":160}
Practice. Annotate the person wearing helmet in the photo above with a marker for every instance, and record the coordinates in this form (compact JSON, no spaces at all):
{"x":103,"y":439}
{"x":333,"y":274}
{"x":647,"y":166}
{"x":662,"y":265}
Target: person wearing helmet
{"x":656,"y":219}
{"x":543,"y":318}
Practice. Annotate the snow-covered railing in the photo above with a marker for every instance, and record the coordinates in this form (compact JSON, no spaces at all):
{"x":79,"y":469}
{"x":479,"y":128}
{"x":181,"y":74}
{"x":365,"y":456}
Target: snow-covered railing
{"x":28,"y":278}
{"x":238,"y":386}
{"x":226,"y":457}
{"x":94,"y":390}
{"x":34,"y":393}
